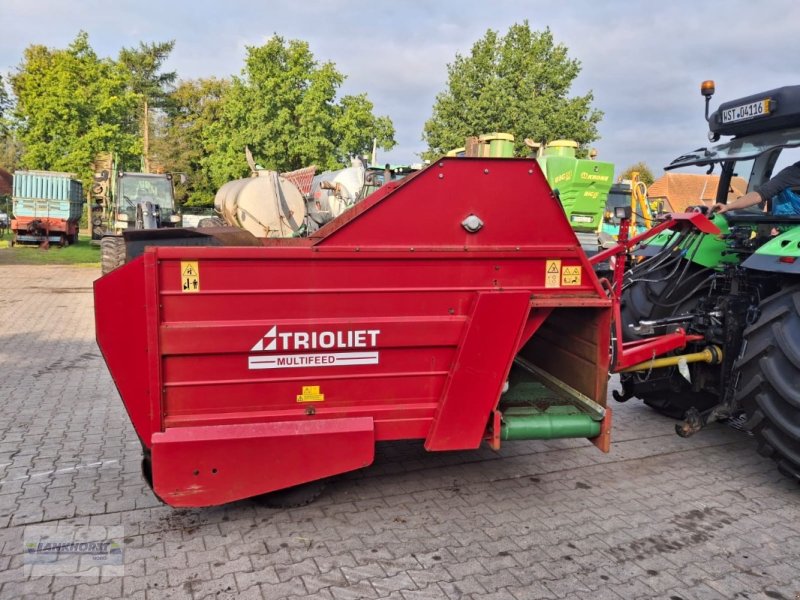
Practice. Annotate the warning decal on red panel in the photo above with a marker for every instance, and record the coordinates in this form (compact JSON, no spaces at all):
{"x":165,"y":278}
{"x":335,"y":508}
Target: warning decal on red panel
{"x":570,"y":276}
{"x":551,"y":273}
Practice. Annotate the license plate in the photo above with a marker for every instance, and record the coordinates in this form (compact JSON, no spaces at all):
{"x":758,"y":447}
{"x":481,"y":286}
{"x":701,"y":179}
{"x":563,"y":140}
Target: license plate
{"x":745,"y":111}
{"x":581,"y":219}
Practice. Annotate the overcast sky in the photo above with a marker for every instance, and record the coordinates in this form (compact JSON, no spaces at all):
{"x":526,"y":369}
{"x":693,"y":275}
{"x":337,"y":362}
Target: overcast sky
{"x":644,"y":61}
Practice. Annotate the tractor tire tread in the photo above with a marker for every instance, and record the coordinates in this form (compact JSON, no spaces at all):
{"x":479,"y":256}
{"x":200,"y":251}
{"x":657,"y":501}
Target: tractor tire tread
{"x":112,"y":253}
{"x":770,"y":367}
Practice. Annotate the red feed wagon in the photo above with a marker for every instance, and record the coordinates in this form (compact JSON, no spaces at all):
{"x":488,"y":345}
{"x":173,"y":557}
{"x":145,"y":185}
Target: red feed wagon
{"x":454,"y":306}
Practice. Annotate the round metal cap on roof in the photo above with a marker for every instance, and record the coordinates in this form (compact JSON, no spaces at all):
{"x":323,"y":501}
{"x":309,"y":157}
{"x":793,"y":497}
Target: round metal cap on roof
{"x":487,"y":137}
{"x":563,"y":144}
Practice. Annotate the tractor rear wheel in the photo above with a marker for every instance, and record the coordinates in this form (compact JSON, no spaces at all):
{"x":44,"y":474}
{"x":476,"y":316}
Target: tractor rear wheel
{"x":656,"y":297}
{"x":211,"y":222}
{"x":112,"y":253}
{"x":768,"y":371}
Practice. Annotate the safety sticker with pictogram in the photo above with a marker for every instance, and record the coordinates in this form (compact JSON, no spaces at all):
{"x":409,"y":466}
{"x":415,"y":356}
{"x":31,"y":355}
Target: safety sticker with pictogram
{"x":570,"y":276}
{"x":551,"y":273}
{"x":311,"y":393}
{"x":190,"y":276}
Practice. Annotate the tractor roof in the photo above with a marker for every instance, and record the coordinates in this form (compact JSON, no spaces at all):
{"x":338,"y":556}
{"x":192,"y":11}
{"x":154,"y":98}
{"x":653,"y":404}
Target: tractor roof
{"x":758,"y":113}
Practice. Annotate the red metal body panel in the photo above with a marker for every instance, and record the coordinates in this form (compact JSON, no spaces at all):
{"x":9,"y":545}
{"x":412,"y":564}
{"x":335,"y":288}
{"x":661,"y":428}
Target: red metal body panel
{"x":197,"y":466}
{"x":392,"y":319}
{"x":473,"y":388}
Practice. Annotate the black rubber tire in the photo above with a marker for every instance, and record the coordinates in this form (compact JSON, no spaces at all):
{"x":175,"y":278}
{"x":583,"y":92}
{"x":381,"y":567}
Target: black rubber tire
{"x":292,"y":497}
{"x":211,"y":222}
{"x":768,"y":373}
{"x":112,"y":253}
{"x":638,"y":303}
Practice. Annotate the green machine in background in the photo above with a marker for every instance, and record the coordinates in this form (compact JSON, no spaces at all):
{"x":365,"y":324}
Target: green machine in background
{"x":582,"y":184}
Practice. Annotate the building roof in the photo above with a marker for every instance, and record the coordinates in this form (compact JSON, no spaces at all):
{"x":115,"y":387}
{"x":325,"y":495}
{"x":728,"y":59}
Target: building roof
{"x":682,"y":190}
{"x":5,"y":183}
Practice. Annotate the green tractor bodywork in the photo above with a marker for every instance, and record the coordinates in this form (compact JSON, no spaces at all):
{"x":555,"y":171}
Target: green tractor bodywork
{"x":737,"y":291}
{"x":779,"y":255}
{"x":704,"y":250}
{"x":583,"y":184}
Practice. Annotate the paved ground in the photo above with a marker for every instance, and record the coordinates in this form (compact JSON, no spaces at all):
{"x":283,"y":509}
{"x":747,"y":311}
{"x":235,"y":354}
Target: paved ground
{"x":659,"y":517}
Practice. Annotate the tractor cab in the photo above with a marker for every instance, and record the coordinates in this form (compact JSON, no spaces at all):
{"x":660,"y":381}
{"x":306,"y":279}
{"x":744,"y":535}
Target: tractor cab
{"x":145,"y":201}
{"x":765,"y":138}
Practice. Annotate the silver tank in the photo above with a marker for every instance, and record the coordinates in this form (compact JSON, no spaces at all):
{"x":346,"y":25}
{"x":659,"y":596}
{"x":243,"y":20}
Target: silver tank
{"x":266,"y":205}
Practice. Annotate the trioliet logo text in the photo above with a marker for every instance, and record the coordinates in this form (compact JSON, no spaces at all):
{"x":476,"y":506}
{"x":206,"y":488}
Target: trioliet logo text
{"x":327,"y":349}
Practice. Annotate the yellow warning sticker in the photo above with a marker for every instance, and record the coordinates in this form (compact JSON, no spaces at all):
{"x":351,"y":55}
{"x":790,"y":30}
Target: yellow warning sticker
{"x":311,"y":393}
{"x":190,"y":276}
{"x":570,"y":276}
{"x":551,"y":272}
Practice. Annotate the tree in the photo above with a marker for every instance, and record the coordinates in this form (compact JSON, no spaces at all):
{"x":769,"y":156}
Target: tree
{"x":9,"y":147}
{"x":645,"y":174}
{"x":517,"y":83}
{"x":191,"y":109}
{"x":70,"y":105}
{"x":5,"y":106}
{"x":143,"y":66}
{"x":284,"y":106}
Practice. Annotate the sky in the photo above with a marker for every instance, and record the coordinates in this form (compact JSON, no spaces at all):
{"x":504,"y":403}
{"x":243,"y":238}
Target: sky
{"x":643,"y":61}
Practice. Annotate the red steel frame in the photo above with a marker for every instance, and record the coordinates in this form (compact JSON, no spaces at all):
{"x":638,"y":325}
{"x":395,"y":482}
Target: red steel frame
{"x":48,"y":224}
{"x":632,"y":353}
{"x":452,"y":309}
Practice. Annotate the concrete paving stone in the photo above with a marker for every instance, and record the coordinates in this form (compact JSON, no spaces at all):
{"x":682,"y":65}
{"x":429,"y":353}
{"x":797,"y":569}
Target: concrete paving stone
{"x":290,"y":571}
{"x":364,"y":571}
{"x":218,"y":587}
{"x":401,"y":581}
{"x":109,"y":589}
{"x":292,"y":587}
{"x":188,"y":576}
{"x":357,"y":591}
{"x":314,"y":583}
{"x":432,"y":592}
{"x":460,"y":587}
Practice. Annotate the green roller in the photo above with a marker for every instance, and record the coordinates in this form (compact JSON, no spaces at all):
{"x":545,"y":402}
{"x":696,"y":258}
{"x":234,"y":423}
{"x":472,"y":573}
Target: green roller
{"x":548,"y":425}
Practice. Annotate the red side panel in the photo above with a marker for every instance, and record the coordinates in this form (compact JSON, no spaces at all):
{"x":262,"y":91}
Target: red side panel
{"x":480,"y":369}
{"x":120,"y":305}
{"x":205,"y":466}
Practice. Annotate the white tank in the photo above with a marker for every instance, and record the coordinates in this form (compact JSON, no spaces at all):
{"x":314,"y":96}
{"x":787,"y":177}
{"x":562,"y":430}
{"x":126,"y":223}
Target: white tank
{"x":266,"y":205}
{"x":333,"y":192}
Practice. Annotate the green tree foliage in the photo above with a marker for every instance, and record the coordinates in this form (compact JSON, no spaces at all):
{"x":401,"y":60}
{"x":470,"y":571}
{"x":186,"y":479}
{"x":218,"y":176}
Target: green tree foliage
{"x":70,"y":105}
{"x":5,"y":106}
{"x":145,"y":79}
{"x":645,"y":174}
{"x":192,"y":108}
{"x":517,"y":83}
{"x":284,"y":106}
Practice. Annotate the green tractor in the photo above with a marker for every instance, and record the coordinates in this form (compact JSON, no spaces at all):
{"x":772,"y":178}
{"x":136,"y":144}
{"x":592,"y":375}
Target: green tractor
{"x":737,"y":293}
